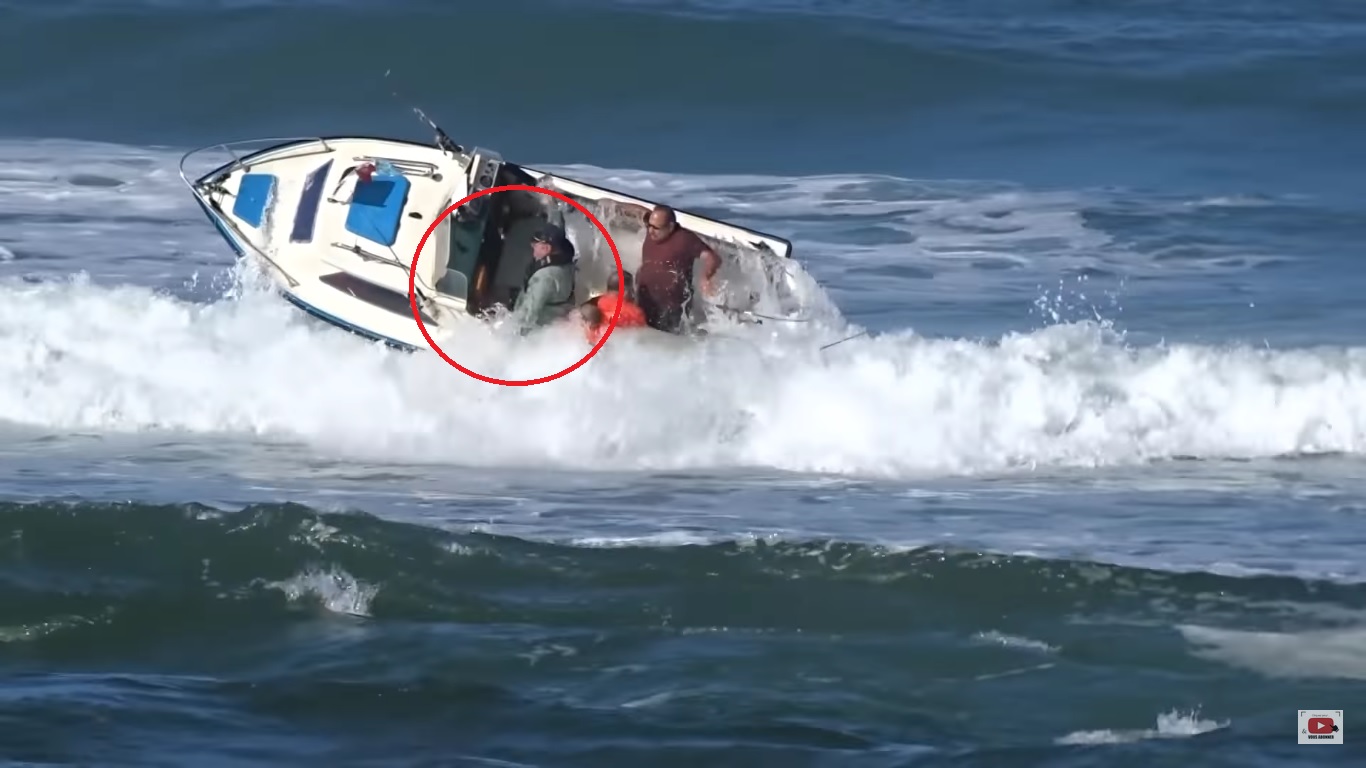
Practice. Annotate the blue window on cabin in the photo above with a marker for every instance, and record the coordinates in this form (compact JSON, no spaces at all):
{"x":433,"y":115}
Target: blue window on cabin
{"x":253,"y":197}
{"x":307,"y":214}
{"x":377,"y":208}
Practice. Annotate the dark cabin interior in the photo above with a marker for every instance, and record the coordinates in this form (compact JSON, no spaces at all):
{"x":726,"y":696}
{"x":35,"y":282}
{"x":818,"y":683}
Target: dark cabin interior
{"x":505,"y":252}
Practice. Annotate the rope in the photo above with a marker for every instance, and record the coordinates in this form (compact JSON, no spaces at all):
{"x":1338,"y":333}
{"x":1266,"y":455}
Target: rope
{"x":841,"y":341}
{"x":748,"y":313}
{"x":751,"y":313}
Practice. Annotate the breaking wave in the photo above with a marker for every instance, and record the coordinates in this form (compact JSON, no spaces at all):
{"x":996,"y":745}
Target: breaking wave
{"x":78,"y":356}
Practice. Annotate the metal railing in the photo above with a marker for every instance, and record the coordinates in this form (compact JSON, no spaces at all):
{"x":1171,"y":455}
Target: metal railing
{"x":406,"y":167}
{"x":237,"y":160}
{"x":370,"y":255}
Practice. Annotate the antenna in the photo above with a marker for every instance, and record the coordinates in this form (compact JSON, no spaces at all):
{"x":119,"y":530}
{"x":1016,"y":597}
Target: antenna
{"x":443,"y":141}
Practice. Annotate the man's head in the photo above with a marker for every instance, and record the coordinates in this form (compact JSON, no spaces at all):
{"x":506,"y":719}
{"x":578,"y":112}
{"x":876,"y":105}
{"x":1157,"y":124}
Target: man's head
{"x":660,"y":223}
{"x":546,"y":241}
{"x":614,"y":285}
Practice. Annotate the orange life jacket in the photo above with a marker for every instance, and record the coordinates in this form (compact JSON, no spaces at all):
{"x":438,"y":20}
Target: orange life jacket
{"x":632,"y":316}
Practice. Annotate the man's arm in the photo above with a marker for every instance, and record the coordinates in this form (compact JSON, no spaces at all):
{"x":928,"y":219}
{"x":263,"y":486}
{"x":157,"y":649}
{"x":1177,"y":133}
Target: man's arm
{"x":710,"y":264}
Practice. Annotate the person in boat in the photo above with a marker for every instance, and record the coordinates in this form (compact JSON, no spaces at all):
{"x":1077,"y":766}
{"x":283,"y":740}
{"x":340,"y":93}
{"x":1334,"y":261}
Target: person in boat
{"x":548,"y":290}
{"x":597,"y":313}
{"x":664,"y":280}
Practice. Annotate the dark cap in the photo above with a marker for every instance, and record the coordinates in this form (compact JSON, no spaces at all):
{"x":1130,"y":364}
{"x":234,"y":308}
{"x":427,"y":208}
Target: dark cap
{"x":549,"y":233}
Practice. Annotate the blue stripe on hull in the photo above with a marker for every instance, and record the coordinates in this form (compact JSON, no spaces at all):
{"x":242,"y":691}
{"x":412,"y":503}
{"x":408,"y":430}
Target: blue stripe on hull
{"x":345,"y":326}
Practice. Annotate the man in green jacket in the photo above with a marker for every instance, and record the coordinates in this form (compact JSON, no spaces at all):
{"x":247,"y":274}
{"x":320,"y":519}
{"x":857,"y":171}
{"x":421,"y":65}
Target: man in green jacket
{"x":549,"y":287}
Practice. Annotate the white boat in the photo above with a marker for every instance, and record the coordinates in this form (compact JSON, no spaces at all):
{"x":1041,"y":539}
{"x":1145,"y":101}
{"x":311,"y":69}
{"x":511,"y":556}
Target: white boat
{"x":341,"y":249}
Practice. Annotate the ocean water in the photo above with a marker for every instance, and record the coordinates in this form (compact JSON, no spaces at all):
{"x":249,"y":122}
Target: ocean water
{"x":1089,"y":492}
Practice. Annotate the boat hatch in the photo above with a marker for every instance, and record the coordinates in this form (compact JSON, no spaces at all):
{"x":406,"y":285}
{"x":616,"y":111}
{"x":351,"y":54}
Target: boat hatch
{"x":372,"y":294}
{"x":376,"y":208}
{"x":253,"y":196}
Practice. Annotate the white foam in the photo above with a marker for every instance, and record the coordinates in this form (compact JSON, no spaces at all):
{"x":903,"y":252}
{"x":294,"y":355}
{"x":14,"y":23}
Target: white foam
{"x":945,"y":227}
{"x":1170,"y":725}
{"x":334,"y":590}
{"x":994,"y":637}
{"x":79,"y":356}
{"x":117,"y":212}
{"x":1318,"y":653}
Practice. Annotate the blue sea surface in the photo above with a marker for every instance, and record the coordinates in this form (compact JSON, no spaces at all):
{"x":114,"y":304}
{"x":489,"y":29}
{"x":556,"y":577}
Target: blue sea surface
{"x":1088,"y":492}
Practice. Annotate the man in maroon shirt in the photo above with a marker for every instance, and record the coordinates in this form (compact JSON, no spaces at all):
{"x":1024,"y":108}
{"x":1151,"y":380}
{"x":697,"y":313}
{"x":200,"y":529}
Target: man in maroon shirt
{"x":664,"y":279}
